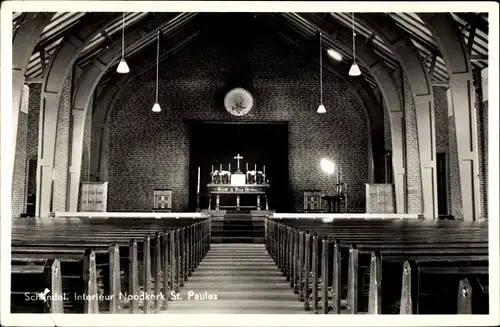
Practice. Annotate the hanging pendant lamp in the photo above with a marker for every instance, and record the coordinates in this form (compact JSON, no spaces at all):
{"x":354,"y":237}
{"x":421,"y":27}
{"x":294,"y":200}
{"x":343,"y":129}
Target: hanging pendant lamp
{"x":122,"y":66}
{"x":156,"y":106}
{"x":321,"y":108}
{"x":354,"y":71}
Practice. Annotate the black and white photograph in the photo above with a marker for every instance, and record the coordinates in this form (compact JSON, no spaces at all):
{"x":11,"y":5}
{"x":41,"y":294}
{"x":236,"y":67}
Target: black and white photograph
{"x":255,"y":163}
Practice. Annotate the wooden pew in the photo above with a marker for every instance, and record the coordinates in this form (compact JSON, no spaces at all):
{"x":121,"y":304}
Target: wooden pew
{"x":29,"y":288}
{"x":385,"y":268}
{"x":173,"y":253}
{"x":306,"y":271}
{"x":431,"y":287}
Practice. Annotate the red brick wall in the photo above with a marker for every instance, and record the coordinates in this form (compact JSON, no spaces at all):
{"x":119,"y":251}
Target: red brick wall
{"x":151,"y":150}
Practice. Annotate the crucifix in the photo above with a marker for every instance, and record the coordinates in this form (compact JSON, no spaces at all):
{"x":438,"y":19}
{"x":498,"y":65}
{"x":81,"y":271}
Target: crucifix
{"x":238,"y":157}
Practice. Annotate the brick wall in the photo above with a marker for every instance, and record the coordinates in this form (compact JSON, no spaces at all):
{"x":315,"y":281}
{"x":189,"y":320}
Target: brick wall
{"x":481,"y":104}
{"x":149,"y":150}
{"x":442,"y":137}
{"x":19,"y":173}
{"x":441,"y":118}
{"x":103,"y":168}
{"x":387,"y":128}
{"x":455,"y":195}
{"x":85,"y":168}
{"x":414,"y":181}
{"x":61,"y":161}
{"x":32,"y":130}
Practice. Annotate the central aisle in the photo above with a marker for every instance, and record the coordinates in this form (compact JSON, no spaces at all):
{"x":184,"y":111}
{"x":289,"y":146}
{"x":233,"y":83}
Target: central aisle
{"x":244,"y":279}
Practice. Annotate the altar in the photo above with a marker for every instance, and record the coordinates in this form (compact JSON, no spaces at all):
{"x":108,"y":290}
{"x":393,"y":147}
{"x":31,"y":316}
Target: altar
{"x":216,"y":190}
{"x":226,"y":183}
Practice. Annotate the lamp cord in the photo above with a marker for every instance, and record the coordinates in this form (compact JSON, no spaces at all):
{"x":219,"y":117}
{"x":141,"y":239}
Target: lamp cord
{"x":353,"y":37}
{"x":157,"y":59}
{"x":123,"y":35}
{"x":320,"y":70}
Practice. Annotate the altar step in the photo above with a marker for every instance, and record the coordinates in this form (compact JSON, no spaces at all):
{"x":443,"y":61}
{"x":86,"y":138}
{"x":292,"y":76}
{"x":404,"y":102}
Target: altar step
{"x":237,"y":228}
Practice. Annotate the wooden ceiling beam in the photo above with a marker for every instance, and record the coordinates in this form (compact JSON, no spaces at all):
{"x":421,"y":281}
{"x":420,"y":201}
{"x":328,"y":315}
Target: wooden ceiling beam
{"x":470,"y":40}
{"x":478,"y":58}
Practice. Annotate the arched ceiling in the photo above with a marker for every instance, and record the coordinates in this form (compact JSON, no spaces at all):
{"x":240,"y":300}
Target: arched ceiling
{"x":474,"y":27}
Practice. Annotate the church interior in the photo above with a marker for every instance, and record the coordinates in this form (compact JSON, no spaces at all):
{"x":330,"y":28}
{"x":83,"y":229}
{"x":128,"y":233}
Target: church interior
{"x":250,"y":162}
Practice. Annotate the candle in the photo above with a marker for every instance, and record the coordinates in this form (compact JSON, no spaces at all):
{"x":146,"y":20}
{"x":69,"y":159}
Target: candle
{"x":220,"y":167}
{"x":264,"y":169}
{"x":198,"y":187}
{"x":229,"y":167}
{"x":247,"y":166}
{"x":255,"y":167}
{"x":212,"y":168}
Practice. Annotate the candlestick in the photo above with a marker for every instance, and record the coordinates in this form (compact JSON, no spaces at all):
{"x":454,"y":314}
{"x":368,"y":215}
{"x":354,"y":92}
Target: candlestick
{"x":198,"y":187}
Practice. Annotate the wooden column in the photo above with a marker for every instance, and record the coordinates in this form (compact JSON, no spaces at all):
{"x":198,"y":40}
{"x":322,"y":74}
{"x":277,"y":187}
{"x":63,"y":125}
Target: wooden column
{"x":419,"y":80}
{"x":55,"y":76}
{"x":456,"y":55}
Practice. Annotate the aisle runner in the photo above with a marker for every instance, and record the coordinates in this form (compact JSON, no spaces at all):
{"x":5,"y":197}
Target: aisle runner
{"x":237,"y":278}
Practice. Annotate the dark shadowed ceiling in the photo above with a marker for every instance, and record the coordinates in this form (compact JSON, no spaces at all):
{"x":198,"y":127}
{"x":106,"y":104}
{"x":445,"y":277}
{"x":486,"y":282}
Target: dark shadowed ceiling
{"x":300,"y":29}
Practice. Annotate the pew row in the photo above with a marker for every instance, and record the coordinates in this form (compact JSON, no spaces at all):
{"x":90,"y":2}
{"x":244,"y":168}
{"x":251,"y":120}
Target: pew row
{"x":323,"y":261}
{"x":112,"y":276}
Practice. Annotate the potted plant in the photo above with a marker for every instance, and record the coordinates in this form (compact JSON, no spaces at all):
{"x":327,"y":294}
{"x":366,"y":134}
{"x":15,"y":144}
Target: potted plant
{"x":260,"y":177}
{"x":215,"y":177}
{"x":251,"y":177}
{"x":225,"y":177}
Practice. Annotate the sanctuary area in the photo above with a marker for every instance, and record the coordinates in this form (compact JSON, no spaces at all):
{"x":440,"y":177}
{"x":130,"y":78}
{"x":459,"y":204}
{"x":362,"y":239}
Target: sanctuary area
{"x":252,"y":162}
